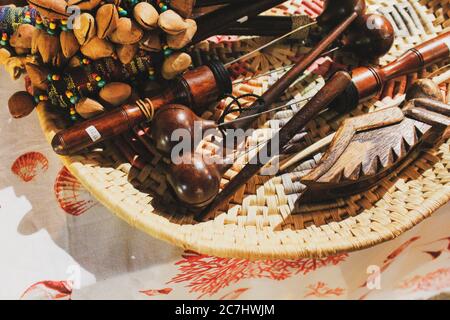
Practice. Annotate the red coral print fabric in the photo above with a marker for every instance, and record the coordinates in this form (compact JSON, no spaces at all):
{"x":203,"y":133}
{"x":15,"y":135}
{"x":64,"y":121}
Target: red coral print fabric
{"x":48,"y":290}
{"x":321,"y":290}
{"x":71,"y":195}
{"x":235,"y":294}
{"x":29,"y":165}
{"x":433,"y":281}
{"x":158,"y":292}
{"x":207,"y":275}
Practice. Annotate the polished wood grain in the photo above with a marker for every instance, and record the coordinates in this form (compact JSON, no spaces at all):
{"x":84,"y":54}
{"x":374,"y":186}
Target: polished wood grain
{"x":197,"y":88}
{"x":370,"y":147}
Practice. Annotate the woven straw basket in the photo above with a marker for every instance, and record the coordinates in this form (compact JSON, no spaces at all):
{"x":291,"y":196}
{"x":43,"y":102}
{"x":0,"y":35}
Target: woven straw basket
{"x":262,"y":221}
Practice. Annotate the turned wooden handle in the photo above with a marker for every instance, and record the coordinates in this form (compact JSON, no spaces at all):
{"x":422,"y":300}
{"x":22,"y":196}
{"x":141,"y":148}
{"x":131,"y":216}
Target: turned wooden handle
{"x":369,"y":81}
{"x":94,"y":131}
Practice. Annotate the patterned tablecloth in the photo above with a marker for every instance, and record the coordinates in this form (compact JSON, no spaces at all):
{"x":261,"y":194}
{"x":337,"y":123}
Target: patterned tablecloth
{"x":57,"y":242}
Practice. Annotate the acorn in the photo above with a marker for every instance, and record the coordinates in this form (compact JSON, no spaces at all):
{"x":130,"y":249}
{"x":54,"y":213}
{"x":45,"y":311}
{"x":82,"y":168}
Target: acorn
{"x":97,"y":48}
{"x":84,"y":5}
{"x":146,"y":15}
{"x":88,"y":108}
{"x":172,"y":23}
{"x":115,"y":93}
{"x":20,"y":104}
{"x":127,"y":32}
{"x":175,"y":64}
{"x":107,"y":17}
{"x":126,"y":52}
{"x":181,"y":40}
{"x":84,"y":28}
{"x":69,"y":44}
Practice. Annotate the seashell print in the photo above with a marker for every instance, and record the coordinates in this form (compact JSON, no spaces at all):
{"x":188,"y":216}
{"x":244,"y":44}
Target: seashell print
{"x":29,"y":165}
{"x":48,"y":290}
{"x":71,"y":195}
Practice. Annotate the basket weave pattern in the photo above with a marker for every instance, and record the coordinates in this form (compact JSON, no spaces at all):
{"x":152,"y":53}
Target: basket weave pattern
{"x":263,"y":220}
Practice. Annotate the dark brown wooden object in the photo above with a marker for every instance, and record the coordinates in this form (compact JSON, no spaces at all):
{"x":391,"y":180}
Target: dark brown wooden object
{"x":162,"y":133}
{"x":197,"y":88}
{"x":368,"y":148}
{"x":369,"y":81}
{"x":430,"y":52}
{"x":213,"y":23}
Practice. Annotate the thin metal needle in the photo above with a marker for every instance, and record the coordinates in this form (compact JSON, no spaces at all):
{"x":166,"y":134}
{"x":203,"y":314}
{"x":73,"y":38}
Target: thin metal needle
{"x":270,"y":43}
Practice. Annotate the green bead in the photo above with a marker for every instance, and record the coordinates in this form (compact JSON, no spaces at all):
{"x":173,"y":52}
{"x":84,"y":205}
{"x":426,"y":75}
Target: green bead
{"x":51,"y":32}
{"x":73,"y":100}
{"x":164,"y":8}
{"x":36,"y":99}
{"x":3,"y":42}
{"x":101,"y":83}
{"x":64,"y":28}
{"x":167,"y":52}
{"x":73,"y":118}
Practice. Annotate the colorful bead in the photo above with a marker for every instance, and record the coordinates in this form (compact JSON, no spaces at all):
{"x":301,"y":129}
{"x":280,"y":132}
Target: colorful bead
{"x":43,"y":97}
{"x":72,"y":111}
{"x":101,"y":83}
{"x":69,"y":94}
{"x":73,"y":118}
{"x":98,"y":78}
{"x":85,"y":61}
{"x":52,"y":25}
{"x":73,"y":100}
{"x":122,"y":12}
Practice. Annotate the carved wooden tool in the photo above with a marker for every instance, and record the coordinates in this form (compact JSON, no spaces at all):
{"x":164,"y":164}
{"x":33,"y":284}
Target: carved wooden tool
{"x":368,"y":148}
{"x":197,"y":88}
{"x":430,"y":52}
